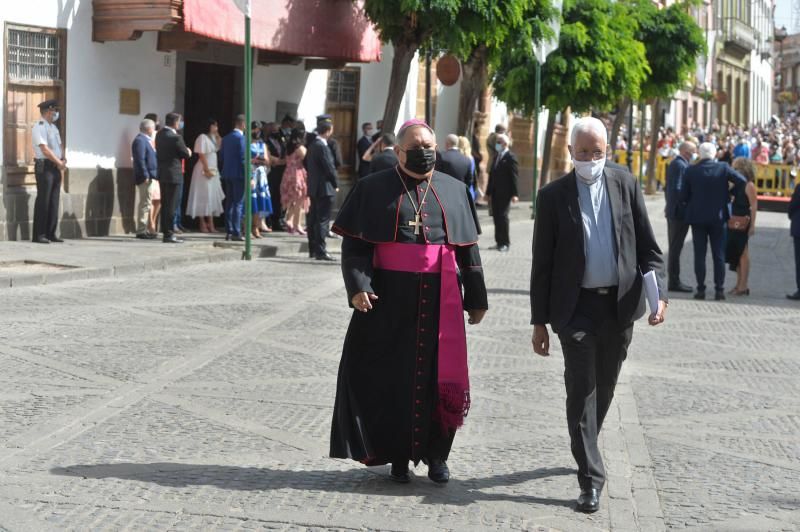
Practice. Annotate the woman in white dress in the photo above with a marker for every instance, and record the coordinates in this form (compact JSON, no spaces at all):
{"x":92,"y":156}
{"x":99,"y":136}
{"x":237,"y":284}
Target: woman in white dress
{"x":205,"y":192}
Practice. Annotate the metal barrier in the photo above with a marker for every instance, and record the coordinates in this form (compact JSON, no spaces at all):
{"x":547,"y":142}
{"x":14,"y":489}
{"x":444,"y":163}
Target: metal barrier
{"x":775,"y":180}
{"x":621,"y":157}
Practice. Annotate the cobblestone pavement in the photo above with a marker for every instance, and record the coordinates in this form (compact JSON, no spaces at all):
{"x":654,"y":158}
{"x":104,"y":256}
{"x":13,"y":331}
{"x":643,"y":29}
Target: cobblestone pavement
{"x":200,"y":398}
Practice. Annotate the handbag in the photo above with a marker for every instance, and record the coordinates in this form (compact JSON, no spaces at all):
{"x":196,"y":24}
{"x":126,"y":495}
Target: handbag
{"x":738,"y":223}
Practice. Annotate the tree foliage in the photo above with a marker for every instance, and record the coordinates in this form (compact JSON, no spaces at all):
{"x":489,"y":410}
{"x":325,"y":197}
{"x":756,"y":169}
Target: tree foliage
{"x":597,"y":62}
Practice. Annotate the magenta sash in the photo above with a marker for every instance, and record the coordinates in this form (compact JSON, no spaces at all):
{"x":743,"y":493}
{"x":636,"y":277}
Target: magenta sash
{"x":453,"y":384}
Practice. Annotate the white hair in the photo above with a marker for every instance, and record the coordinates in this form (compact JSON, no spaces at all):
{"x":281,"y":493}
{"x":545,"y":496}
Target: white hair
{"x":452,"y":140}
{"x":588,"y":124}
{"x":707,"y":151}
{"x":146,"y":124}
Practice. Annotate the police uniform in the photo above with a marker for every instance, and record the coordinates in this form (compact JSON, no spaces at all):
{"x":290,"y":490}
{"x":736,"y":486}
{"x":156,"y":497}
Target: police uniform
{"x":48,"y":178}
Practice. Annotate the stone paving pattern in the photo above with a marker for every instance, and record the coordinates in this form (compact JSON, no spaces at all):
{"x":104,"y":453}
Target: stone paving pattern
{"x":199,"y":398}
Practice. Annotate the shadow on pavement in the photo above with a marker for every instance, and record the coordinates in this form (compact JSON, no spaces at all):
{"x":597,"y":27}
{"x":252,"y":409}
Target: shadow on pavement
{"x":366,"y":481}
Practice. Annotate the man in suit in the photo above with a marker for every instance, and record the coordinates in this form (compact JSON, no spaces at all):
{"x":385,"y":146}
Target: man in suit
{"x":385,"y":156}
{"x":364,"y":144}
{"x":333,"y":144}
{"x":502,"y":190}
{"x":171,"y":150}
{"x":145,"y":172}
{"x":794,"y":216}
{"x":322,"y":188}
{"x":276,"y":138}
{"x":706,"y":193}
{"x":491,"y":141}
{"x":455,"y":163}
{"x":232,"y":156}
{"x":592,"y":241}
{"x":675,"y":213}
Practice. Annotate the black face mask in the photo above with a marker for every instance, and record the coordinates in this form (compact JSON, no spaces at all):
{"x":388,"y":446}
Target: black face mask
{"x":420,"y":160}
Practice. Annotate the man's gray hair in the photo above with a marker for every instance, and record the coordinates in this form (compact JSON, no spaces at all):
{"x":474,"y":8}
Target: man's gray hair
{"x":707,"y":151}
{"x":588,"y":124}
{"x":452,"y":140}
{"x":146,"y":124}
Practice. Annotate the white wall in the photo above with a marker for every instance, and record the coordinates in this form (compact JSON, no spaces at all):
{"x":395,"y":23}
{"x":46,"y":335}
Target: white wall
{"x":96,"y":134}
{"x":314,"y":96}
{"x":374,"y":87}
{"x":446,"y":121}
{"x":289,"y":83}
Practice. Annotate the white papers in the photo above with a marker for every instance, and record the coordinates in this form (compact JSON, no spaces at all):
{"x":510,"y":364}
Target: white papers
{"x":651,"y":290}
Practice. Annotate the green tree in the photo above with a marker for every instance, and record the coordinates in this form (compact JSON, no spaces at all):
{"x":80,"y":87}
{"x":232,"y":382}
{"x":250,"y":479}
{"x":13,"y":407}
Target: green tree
{"x":455,"y":25}
{"x":673,"y":42}
{"x":598,"y":61}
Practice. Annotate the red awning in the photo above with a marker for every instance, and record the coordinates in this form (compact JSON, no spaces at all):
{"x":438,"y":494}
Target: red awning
{"x":331,"y":29}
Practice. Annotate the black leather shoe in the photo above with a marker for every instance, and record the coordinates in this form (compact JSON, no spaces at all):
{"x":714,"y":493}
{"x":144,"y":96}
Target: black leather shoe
{"x":326,"y":257}
{"x":794,"y":297}
{"x":589,"y":501}
{"x":680,"y":287}
{"x":699,"y":295}
{"x":719,"y":295}
{"x":41,"y":240}
{"x":173,"y":240}
{"x":55,"y":239}
{"x":399,"y":473}
{"x":143,"y":236}
{"x":438,"y":471}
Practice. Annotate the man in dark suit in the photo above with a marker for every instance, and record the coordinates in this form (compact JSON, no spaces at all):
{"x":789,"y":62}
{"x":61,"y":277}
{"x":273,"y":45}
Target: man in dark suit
{"x":592,"y":241}
{"x":232,"y":156}
{"x":333,"y":144}
{"x":364,"y":144}
{"x":502,"y":190}
{"x":455,"y":163}
{"x":675,"y":212}
{"x":171,"y":150}
{"x":794,"y":216}
{"x":706,"y":193}
{"x":145,"y":172}
{"x":385,"y":156}
{"x":276,"y":139}
{"x":322,"y":188}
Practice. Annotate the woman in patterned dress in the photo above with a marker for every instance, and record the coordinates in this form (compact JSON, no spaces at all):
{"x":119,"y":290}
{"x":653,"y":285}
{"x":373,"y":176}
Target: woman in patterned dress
{"x":294,"y":187}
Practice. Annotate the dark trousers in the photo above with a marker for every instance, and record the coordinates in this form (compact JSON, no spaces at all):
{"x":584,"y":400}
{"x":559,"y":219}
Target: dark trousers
{"x":169,"y":203}
{"x":234,"y":205}
{"x":797,"y":261}
{"x":501,"y":223}
{"x":318,"y":220}
{"x":702,"y":234}
{"x":676,"y":234}
{"x":176,"y":222}
{"x":594,"y":346}
{"x":274,"y":179}
{"x":48,"y":194}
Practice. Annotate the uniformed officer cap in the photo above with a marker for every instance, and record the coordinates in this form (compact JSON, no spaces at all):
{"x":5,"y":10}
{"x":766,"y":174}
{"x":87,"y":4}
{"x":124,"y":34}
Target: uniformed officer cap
{"x":324,"y":118}
{"x":48,"y":104}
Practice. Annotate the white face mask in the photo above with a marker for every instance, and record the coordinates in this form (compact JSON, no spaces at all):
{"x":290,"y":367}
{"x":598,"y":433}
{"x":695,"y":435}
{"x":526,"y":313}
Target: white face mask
{"x":694,"y":157}
{"x":589,"y":171}
{"x":56,"y":116}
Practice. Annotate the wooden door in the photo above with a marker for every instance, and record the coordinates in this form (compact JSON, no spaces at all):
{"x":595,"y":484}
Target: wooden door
{"x":342,"y":105}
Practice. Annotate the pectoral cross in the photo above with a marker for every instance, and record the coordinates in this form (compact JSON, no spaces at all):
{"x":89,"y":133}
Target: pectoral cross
{"x":416,"y":224}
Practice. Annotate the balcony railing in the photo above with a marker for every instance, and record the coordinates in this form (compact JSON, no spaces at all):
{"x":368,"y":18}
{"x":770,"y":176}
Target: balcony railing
{"x":738,"y":34}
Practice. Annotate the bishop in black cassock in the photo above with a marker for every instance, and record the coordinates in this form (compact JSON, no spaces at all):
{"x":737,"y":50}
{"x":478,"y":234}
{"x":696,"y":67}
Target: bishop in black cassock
{"x":409,"y":250}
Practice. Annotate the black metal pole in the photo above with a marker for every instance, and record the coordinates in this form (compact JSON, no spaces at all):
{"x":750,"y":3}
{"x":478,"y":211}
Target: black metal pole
{"x":630,"y":138}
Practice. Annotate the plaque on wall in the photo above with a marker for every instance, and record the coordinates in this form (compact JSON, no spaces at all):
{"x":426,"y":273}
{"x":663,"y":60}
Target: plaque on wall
{"x":129,"y":102}
{"x":285,"y":108}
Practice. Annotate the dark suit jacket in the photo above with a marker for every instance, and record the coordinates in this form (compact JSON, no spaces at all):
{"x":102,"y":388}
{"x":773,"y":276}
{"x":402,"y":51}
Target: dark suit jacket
{"x":145,"y":165}
{"x":321,"y":170}
{"x":170,"y":150}
{"x":231,"y":155}
{"x":675,"y":210}
{"x":794,"y":212}
{"x":706,"y":191}
{"x":382,"y":161}
{"x":503,"y":177}
{"x":456,"y":164}
{"x":558,"y":249}
{"x":363,"y":166}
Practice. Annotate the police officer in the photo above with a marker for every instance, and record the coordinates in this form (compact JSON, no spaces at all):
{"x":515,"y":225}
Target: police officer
{"x":49,"y":163}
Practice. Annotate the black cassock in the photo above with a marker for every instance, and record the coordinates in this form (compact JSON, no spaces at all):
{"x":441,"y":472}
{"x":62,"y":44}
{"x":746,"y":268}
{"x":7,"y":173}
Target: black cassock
{"x":386,"y":394}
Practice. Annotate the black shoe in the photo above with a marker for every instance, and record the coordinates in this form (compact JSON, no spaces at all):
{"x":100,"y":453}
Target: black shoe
{"x":326,"y":257}
{"x":589,"y":501}
{"x":794,"y":297}
{"x":143,"y":236}
{"x":680,"y":287}
{"x":438,"y":471}
{"x":237,"y":238}
{"x":55,"y":239}
{"x":399,"y":473}
{"x":699,"y":295}
{"x":502,"y":249}
{"x":719,"y":295}
{"x":173,"y":240}
{"x":41,"y":240}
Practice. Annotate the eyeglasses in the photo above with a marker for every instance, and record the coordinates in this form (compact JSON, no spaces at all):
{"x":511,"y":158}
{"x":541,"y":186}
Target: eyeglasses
{"x":589,"y":155}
